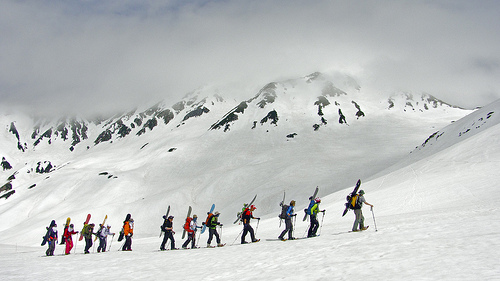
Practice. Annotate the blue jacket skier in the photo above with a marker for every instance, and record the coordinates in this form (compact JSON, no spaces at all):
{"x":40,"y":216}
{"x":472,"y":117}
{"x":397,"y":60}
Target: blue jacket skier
{"x":288,"y":222}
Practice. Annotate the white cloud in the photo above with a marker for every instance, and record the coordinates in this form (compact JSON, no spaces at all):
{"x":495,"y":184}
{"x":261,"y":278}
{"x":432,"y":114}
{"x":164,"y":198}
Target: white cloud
{"x":114,"y":54}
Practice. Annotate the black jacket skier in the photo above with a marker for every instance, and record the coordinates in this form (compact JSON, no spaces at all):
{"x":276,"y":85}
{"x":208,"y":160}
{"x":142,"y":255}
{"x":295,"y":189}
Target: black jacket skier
{"x":247,"y":228}
{"x":168,"y":228}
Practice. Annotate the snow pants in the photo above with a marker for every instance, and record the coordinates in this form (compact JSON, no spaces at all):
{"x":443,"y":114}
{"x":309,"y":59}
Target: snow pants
{"x":88,"y":244}
{"x":191,"y":238}
{"x":247,"y":229}
{"x":128,"y":243}
{"x":211,"y":233}
{"x":69,"y":245}
{"x":102,"y":244}
{"x":289,"y":229}
{"x":52,"y":247}
{"x":313,"y":228}
{"x":168,"y":235}
{"x":359,"y":221}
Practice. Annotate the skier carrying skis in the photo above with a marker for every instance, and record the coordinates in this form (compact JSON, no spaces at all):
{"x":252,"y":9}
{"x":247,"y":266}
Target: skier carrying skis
{"x":246,"y":216}
{"x":103,"y":237}
{"x":191,"y":230}
{"x":87,"y":232}
{"x":168,"y":228}
{"x":128,"y":232}
{"x":51,"y":238}
{"x":213,"y":222}
{"x":360,"y":219}
{"x":288,"y":222}
{"x":313,"y":228}
{"x":68,"y":232}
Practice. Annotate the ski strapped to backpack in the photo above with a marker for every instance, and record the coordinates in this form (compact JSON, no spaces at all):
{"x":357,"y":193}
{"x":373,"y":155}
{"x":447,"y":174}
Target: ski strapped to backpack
{"x":187,"y":224}
{"x":284,"y":210}
{"x":350,"y":197}
{"x":84,"y":224}
{"x":164,"y":218}
{"x":100,"y":228}
{"x":188,"y":215}
{"x":209,"y":218}
{"x":355,"y":204}
{"x":63,"y":239}
{"x":282,"y":207}
{"x":311,"y":203}
{"x":239,"y":214}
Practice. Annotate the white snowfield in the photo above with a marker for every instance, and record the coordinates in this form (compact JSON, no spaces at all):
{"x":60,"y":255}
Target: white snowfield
{"x":436,"y":214}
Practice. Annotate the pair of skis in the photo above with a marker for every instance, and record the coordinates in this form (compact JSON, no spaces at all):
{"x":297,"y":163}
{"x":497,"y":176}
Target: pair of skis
{"x":313,"y":198}
{"x":165,"y":218}
{"x":208,"y":214}
{"x":239,"y":214}
{"x":353,"y":193}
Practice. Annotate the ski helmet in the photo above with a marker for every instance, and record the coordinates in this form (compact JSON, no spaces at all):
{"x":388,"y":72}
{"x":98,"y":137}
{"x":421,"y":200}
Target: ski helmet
{"x":361,"y":192}
{"x":318,"y":200}
{"x":252,"y":207}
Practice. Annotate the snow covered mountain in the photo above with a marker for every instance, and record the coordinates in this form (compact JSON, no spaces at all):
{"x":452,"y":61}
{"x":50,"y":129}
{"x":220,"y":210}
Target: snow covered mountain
{"x":293,"y":135}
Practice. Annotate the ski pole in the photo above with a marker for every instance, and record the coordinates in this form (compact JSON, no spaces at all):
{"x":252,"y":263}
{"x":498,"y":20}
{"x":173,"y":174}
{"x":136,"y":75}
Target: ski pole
{"x":257,"y":227}
{"x":198,"y":240}
{"x":221,"y":232}
{"x":307,"y":229}
{"x":237,"y":237}
{"x":373,"y":214}
{"x":111,"y":242}
{"x":76,"y":242}
{"x":321,"y":226}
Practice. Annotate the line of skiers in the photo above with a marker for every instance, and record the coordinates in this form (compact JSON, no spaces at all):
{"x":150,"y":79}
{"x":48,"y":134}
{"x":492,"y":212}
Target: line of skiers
{"x":191,"y":227}
{"x":51,"y":237}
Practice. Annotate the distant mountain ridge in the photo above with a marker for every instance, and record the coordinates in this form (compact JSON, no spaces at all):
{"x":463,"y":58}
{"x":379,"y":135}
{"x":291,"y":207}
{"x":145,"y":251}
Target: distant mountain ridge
{"x":74,"y":131}
{"x":316,"y":112}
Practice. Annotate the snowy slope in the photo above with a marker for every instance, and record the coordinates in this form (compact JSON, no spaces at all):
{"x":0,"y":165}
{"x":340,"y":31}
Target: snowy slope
{"x":180,"y":161}
{"x":436,"y":219}
{"x":183,"y":162}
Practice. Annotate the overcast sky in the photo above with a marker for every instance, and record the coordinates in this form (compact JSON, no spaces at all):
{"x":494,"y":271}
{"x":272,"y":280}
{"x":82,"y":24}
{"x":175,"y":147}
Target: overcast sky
{"x":96,"y":54}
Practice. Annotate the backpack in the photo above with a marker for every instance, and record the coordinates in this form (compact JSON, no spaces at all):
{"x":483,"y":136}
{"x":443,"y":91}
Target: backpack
{"x":121,"y":235}
{"x":99,"y":232}
{"x":187,"y":225}
{"x":354,"y":202}
{"x":85,"y":230}
{"x":208,"y":221}
{"x":284,"y":210}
